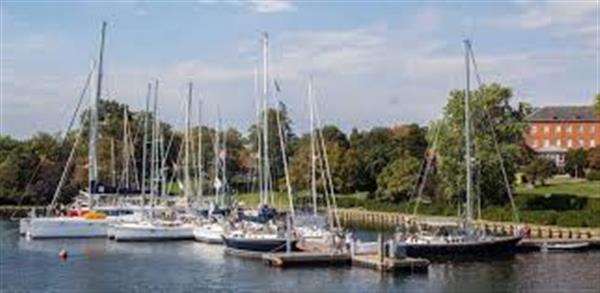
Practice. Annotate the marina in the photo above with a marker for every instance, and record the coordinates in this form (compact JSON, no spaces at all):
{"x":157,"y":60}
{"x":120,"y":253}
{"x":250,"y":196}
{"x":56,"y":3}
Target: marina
{"x":203,"y":154}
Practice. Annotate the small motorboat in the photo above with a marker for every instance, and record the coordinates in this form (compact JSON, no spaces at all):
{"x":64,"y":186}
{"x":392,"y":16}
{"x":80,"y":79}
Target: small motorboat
{"x":556,"y":247}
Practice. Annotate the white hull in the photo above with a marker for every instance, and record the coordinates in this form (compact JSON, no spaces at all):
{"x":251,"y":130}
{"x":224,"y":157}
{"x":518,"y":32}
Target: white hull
{"x":209,"y":233}
{"x":24,"y":225}
{"x":64,"y":227}
{"x":151,"y":232}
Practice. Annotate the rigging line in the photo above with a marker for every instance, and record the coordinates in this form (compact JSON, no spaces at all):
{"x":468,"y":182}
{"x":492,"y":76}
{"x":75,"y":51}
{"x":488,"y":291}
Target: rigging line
{"x":496,"y":145}
{"x":284,"y":154}
{"x":327,"y":167}
{"x":429,"y":163}
{"x":63,"y":176}
{"x":82,"y":95}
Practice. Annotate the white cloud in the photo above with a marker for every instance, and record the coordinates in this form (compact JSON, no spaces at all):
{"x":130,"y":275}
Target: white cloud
{"x":258,"y":6}
{"x":271,"y":6}
{"x":543,"y":14}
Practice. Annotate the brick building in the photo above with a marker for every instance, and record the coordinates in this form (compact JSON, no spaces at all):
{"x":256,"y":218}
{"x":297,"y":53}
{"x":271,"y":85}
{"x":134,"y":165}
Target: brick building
{"x":553,"y":131}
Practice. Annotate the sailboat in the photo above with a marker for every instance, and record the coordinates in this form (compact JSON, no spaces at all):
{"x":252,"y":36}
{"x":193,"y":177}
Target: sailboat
{"x":468,"y":242}
{"x":94,"y":209}
{"x":169,"y":227}
{"x":273,"y":235}
{"x":210,"y":229}
{"x":315,"y":227}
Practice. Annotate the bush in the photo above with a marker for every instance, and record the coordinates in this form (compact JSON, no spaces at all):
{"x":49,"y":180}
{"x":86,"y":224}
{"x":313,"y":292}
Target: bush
{"x":557,"y":202}
{"x":540,"y":217}
{"x":593,"y":175}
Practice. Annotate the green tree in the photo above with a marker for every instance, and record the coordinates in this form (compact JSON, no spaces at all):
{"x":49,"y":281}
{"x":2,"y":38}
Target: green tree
{"x":492,"y":116}
{"x":539,"y":169}
{"x":593,"y":158}
{"x":597,"y":104}
{"x":398,"y":179}
{"x":576,"y":162}
{"x":275,"y":152}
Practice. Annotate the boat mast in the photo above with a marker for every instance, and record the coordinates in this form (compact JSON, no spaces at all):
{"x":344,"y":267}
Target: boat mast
{"x":469,"y":207}
{"x":267,"y":167}
{"x":186,"y":162}
{"x":126,"y":148}
{"x":313,"y":170}
{"x":217,"y":183}
{"x":93,"y":156}
{"x":145,"y":140}
{"x":257,"y":100}
{"x":200,"y":162}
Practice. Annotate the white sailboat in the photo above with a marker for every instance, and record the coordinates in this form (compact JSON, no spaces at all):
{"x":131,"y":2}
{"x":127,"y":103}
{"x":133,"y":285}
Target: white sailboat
{"x":153,"y":228}
{"x":87,"y":217}
{"x":268,"y":236}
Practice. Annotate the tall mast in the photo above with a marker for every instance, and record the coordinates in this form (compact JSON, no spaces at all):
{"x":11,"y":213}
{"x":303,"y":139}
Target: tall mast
{"x":125,"y":148}
{"x":267,"y":167}
{"x":154,"y":170}
{"x":186,"y":162}
{"x":217,"y":183}
{"x":113,"y":169}
{"x":259,"y":166}
{"x":223,"y":162}
{"x":313,"y":171}
{"x":200,"y":161}
{"x":93,"y":156}
{"x":145,"y":139}
{"x":469,"y":206}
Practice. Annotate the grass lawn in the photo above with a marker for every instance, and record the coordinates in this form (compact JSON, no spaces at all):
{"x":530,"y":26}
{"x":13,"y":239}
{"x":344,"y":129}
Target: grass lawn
{"x":570,"y":186}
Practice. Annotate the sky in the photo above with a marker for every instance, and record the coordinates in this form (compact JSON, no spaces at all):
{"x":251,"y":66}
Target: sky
{"x":373,"y":63}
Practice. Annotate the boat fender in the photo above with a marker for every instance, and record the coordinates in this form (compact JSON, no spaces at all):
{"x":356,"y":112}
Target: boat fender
{"x":63,"y":254}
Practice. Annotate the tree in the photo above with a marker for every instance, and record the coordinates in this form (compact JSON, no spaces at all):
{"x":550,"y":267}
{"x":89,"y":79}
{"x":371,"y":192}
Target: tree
{"x":275,"y":152}
{"x":492,"y":117}
{"x":593,"y":158}
{"x":380,"y":146}
{"x":539,"y":169}
{"x":597,"y":104}
{"x":343,"y":162}
{"x":398,"y":179}
{"x":576,"y":162}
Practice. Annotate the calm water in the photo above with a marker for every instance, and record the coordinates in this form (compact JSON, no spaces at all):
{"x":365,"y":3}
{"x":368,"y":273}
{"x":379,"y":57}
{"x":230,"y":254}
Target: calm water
{"x":105,"y":266}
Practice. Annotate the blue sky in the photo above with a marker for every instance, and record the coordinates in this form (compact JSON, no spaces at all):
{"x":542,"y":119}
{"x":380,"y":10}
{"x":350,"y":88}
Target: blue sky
{"x":374,"y":63}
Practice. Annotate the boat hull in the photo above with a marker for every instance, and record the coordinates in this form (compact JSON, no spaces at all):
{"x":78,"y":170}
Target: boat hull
{"x":493,"y":247}
{"x":211,"y":234}
{"x":258,"y":245}
{"x":134,"y":233}
{"x":64,"y":227}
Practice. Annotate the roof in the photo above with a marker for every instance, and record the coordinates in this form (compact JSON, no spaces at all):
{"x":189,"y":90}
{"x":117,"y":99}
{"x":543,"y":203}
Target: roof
{"x":564,"y":113}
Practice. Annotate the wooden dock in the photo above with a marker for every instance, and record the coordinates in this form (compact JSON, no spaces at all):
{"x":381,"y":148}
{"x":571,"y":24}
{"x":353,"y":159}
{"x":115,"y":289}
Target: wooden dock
{"x":373,"y":261}
{"x":283,"y":259}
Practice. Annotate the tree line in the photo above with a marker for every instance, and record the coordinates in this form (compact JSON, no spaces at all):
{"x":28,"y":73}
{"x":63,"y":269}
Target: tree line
{"x":390,"y":164}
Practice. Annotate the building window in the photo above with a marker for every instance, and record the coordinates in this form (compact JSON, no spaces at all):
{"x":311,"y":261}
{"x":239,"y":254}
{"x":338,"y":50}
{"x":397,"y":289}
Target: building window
{"x":592,"y":143}
{"x":558,"y":128}
{"x":533,"y":129}
{"x":569,"y":128}
{"x":569,"y":143}
{"x":593,"y":128}
{"x":558,"y":143}
{"x":581,"y":143}
{"x":546,"y":143}
{"x":581,"y":128}
{"x":546,"y":129}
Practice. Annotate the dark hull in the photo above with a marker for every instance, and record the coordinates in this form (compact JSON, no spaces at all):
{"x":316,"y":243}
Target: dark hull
{"x":488,"y":248}
{"x":259,"y":245}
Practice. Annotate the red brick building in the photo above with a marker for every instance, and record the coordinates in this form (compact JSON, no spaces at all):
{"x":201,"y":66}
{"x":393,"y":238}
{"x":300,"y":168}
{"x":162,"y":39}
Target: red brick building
{"x":553,"y":131}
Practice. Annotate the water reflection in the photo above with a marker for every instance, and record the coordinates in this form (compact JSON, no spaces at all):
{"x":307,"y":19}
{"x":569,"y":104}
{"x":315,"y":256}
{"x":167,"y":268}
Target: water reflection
{"x":108,"y":266}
